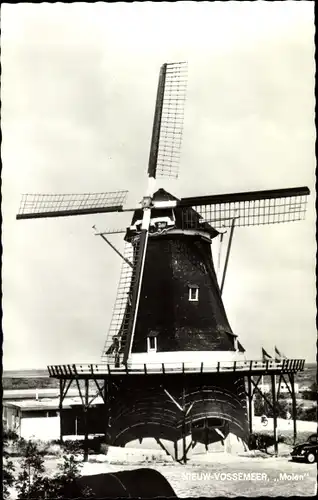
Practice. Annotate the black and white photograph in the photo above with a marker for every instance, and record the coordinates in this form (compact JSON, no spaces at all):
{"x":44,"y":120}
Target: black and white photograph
{"x":159,"y":250}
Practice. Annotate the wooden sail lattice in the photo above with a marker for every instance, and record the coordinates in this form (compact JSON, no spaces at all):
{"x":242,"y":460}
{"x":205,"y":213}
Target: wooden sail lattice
{"x":285,"y":207}
{"x":171,"y":123}
{"x":58,"y":205}
{"x":120,"y":317}
{"x":123,"y":311}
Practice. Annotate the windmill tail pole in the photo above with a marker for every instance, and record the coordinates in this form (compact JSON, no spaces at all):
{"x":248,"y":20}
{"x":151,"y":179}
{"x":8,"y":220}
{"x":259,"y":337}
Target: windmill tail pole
{"x":228,"y":253}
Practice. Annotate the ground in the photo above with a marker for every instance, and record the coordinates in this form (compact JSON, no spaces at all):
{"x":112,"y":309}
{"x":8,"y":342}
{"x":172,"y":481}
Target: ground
{"x":221,"y":475}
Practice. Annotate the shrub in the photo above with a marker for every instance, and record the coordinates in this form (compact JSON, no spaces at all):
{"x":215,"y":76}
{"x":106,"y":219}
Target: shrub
{"x":7,"y":467}
{"x":262,"y":441}
{"x":61,"y":485}
{"x":32,"y":482}
{"x":10,"y":435}
{"x":73,"y":447}
{"x":29,"y":483}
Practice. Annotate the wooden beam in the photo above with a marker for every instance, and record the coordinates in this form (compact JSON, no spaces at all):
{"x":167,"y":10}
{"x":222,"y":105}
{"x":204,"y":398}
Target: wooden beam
{"x":115,"y":249}
{"x":227,"y":254}
{"x":292,"y":383}
{"x":79,"y":390}
{"x":86,"y":421}
{"x":175,"y":444}
{"x":263,"y":395}
{"x":100,"y":391}
{"x":256,"y":385}
{"x":273,"y":378}
{"x":61,"y":408}
{"x":250,"y":408}
{"x":173,"y":400}
{"x":164,"y":448}
{"x":107,"y":387}
{"x":184,"y":449}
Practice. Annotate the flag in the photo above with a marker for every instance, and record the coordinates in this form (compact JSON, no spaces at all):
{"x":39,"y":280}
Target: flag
{"x":279,"y":355}
{"x":240,"y":347}
{"x":265,"y":355}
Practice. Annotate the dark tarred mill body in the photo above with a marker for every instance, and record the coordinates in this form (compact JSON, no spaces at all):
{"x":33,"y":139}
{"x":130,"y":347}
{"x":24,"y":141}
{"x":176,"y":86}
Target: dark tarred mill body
{"x":172,"y":368}
{"x":176,"y":260}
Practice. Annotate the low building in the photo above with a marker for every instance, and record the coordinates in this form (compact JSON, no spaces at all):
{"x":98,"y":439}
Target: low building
{"x":265,"y":388}
{"x":40,"y":419}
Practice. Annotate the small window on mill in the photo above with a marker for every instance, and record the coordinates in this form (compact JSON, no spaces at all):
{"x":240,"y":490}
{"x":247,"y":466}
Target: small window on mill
{"x":152,"y":342}
{"x":193,"y":293}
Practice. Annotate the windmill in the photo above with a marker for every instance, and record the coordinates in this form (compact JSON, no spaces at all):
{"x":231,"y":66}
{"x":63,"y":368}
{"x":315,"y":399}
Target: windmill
{"x":169,"y":316}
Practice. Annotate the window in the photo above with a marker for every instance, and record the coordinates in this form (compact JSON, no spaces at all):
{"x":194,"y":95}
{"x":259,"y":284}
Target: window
{"x":193,"y":293}
{"x":313,"y":439}
{"x":152,"y":342}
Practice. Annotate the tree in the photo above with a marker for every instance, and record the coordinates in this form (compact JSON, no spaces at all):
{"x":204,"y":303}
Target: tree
{"x":311,"y":393}
{"x":62,"y":484}
{"x":7,"y":467}
{"x":30,"y":480}
{"x":261,"y":407}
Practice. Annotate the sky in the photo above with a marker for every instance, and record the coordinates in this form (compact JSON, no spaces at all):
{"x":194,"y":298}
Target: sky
{"x":78,"y":91}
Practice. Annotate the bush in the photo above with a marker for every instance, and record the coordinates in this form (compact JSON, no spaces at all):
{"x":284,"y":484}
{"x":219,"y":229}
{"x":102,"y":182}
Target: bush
{"x":7,"y":466}
{"x":29,"y":483}
{"x":61,"y":485}
{"x":33,"y":483}
{"x":310,"y":414}
{"x":311,"y":393}
{"x":262,"y":441}
{"x":9,"y":435}
{"x":262,"y":407}
{"x":73,"y":447}
{"x":96,"y":445}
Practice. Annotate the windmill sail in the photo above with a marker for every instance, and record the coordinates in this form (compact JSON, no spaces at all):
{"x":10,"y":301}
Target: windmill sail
{"x":139,"y":261}
{"x":118,"y":326}
{"x":168,"y":121}
{"x":163,"y":162}
{"x":120,"y":333}
{"x":36,"y":206}
{"x":250,"y":208}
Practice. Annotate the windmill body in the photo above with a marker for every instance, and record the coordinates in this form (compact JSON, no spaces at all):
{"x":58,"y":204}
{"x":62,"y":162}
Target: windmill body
{"x":180,"y":301}
{"x":181,"y":318}
{"x":172,"y":368}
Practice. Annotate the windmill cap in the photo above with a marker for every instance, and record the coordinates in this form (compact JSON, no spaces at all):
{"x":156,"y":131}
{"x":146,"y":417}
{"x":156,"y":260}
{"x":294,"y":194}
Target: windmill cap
{"x":162,"y":195}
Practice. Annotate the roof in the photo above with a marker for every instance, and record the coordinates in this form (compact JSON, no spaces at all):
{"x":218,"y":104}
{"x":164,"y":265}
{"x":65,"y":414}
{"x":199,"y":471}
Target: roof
{"x":47,"y":404}
{"x":187,"y":214}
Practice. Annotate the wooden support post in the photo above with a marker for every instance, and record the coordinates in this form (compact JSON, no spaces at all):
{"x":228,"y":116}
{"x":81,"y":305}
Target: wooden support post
{"x":175,"y":444}
{"x":227,"y":254}
{"x":206,"y":434}
{"x":293,"y":395}
{"x":273,"y":378}
{"x":250,"y":404}
{"x":106,"y":407}
{"x":86,"y":422}
{"x":61,"y":409}
{"x":184,"y":444}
